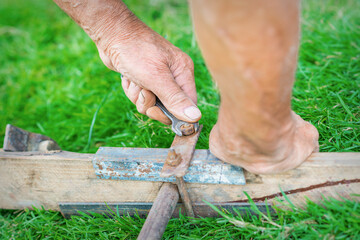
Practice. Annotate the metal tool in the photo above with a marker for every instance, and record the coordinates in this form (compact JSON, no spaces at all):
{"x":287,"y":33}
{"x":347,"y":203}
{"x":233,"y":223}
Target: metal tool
{"x":142,"y":209}
{"x":179,"y":127}
{"x":176,"y":165}
{"x":182,"y":150}
{"x":20,"y":140}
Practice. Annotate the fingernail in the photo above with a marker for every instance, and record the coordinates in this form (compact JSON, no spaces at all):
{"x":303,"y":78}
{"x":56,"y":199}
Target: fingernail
{"x":141,"y":97}
{"x":192,"y":113}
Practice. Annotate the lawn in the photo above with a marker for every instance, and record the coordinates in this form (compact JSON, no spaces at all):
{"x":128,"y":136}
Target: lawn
{"x":53,"y":82}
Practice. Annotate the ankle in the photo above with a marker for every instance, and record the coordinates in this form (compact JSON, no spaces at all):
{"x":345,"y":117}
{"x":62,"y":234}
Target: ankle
{"x":266,"y":138}
{"x":278,"y":150}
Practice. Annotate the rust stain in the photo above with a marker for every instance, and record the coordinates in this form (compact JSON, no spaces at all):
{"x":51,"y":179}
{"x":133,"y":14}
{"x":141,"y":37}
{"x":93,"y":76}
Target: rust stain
{"x":128,"y":175}
{"x":145,"y":170}
{"x":173,"y":159}
{"x":298,"y":190}
{"x":187,"y":129}
{"x":184,"y":147}
{"x":100,"y":166}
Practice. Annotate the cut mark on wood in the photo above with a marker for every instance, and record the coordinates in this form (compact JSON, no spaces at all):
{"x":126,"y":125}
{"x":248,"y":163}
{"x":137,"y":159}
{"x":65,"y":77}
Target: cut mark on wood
{"x":299,"y":190}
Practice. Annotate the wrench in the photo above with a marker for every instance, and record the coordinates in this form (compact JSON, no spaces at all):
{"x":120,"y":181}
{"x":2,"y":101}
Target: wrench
{"x":179,"y":127}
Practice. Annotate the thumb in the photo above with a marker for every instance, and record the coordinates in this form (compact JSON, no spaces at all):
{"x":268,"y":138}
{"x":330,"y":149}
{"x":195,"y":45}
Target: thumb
{"x":177,"y":101}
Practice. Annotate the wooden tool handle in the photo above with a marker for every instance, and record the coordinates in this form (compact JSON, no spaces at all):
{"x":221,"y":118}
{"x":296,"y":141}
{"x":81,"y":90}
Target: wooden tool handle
{"x":160,"y":213}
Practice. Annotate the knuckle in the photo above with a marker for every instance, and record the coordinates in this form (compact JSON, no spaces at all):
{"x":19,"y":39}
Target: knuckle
{"x":105,"y":59}
{"x":114,"y":55}
{"x":176,"y":98}
{"x":141,"y":108}
{"x":189,"y":62}
{"x":133,"y":98}
{"x":183,"y":61}
{"x":186,"y":61}
{"x":132,"y":94}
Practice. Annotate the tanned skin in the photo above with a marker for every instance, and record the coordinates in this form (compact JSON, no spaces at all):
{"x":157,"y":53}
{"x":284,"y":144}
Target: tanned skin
{"x":250,"y":48}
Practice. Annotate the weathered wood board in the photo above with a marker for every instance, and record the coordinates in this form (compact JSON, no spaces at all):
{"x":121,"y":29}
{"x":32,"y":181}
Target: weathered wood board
{"x":44,"y":179}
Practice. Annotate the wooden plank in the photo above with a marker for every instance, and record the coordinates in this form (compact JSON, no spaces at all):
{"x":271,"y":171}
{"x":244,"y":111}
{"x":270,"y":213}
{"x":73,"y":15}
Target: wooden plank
{"x":44,"y":179}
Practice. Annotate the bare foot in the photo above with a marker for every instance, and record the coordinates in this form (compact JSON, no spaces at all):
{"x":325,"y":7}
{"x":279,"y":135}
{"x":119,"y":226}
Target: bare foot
{"x":266,"y":155}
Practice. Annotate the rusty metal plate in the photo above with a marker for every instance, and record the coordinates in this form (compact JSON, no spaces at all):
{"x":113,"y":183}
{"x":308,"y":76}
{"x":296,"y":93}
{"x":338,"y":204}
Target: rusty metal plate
{"x":145,"y":164}
{"x":142,"y":209}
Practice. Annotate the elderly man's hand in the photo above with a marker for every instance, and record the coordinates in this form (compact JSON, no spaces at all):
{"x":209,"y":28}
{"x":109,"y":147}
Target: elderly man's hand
{"x":150,"y":65}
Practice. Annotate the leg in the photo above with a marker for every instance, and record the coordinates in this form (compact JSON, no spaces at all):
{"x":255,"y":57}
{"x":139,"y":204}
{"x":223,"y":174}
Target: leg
{"x":250,"y":48}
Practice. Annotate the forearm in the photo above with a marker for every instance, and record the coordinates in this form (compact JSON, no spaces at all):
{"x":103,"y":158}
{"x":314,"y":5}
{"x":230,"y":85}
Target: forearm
{"x":102,"y":19}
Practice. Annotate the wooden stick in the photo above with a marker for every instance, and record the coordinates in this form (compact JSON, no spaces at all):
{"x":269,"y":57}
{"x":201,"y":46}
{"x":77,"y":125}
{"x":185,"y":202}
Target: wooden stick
{"x":160,"y":213}
{"x":44,"y":179}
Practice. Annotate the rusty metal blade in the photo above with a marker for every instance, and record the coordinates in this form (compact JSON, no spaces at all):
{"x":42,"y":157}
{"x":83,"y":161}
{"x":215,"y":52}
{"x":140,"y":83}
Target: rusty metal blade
{"x":178,"y":162}
{"x":180,"y":155}
{"x":185,"y":197}
{"x":20,"y":140}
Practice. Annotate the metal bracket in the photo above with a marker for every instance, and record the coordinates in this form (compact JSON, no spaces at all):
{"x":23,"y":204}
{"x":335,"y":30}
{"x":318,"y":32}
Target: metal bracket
{"x":142,"y":209}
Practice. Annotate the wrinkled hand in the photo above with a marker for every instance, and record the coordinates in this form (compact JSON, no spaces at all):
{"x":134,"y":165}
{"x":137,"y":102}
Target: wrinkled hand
{"x":151,"y":66}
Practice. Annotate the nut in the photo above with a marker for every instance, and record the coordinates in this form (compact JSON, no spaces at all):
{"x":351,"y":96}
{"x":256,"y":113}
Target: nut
{"x":173,"y":158}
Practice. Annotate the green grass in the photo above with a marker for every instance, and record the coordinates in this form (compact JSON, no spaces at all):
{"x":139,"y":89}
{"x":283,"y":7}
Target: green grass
{"x":53,"y":82}
{"x":333,"y":220}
